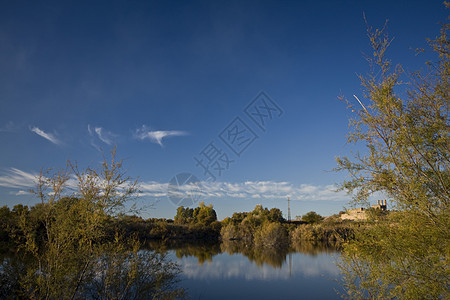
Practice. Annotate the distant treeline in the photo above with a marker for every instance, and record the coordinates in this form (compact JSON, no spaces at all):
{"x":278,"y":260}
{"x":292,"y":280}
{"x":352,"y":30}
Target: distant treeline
{"x":261,"y":227}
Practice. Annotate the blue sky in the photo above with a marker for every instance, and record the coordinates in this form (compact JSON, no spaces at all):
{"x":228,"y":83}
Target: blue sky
{"x":163,"y":79}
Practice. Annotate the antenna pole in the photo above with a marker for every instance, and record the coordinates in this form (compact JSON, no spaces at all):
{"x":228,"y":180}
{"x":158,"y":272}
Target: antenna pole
{"x":289,"y":210}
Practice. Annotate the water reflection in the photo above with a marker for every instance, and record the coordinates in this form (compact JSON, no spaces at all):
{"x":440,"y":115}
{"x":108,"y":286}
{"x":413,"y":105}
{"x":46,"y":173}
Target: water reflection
{"x":234,"y":270}
{"x":227,"y":267}
{"x":204,"y":251}
{"x":272,"y":256}
{"x":234,"y":259}
{"x":112,"y":274}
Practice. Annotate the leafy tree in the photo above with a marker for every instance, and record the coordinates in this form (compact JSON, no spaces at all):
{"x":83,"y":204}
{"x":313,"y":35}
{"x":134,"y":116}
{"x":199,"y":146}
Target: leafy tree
{"x":204,"y":215}
{"x":238,"y":217}
{"x":19,"y":209}
{"x":185,"y":215}
{"x":271,"y":235}
{"x":5,"y":225}
{"x":406,"y":134}
{"x":275,"y":215}
{"x":67,"y":247}
{"x":312,"y":217}
{"x":246,"y":226}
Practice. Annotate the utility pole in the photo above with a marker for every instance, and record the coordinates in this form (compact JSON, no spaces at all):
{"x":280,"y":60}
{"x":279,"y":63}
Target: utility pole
{"x":289,"y":210}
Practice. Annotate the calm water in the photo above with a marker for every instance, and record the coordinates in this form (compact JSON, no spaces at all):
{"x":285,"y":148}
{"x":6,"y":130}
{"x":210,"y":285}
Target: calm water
{"x":228,"y":270}
{"x":224,"y":273}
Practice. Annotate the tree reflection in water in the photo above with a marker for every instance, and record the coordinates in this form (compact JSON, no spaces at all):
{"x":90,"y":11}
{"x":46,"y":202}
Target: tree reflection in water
{"x":274,"y":256}
{"x":145,"y":272}
{"x":117,"y":273}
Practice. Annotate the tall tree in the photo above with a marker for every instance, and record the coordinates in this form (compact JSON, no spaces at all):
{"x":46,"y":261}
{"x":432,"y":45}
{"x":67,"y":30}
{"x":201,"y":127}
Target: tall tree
{"x":204,"y":215}
{"x":312,"y":217}
{"x":407,"y":139}
{"x":68,"y":248}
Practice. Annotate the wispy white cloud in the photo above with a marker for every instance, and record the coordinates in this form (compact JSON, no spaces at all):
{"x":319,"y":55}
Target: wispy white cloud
{"x":250,"y":190}
{"x":23,"y":181}
{"x":15,"y":178}
{"x":156,"y":136}
{"x":99,"y":133}
{"x":104,"y":139}
{"x":153,"y":189}
{"x":93,"y":143}
{"x":20,"y":193}
{"x":48,"y":136}
{"x":270,"y":190}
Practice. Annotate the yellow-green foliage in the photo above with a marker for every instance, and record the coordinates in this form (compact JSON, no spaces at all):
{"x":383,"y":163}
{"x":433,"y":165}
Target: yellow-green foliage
{"x":336,"y":233}
{"x":253,"y":226}
{"x":271,"y":235}
{"x":407,"y":136}
{"x":68,"y":248}
{"x":202,"y":215}
{"x":312,"y":217}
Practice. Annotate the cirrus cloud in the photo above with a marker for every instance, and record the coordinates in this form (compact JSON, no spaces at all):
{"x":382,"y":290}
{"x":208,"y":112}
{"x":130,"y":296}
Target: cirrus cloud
{"x":21,"y":180}
{"x":15,"y":178}
{"x":48,"y":136}
{"x":98,"y":133}
{"x":156,"y":136}
{"x":250,"y":190}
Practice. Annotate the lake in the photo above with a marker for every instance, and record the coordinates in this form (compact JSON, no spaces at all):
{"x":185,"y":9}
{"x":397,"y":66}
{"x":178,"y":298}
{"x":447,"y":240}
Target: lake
{"x":227,"y":270}
{"x":233,"y":271}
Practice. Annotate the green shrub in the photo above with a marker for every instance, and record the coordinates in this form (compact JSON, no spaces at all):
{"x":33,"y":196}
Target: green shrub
{"x":271,"y":235}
